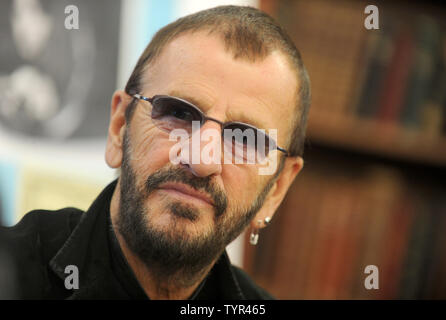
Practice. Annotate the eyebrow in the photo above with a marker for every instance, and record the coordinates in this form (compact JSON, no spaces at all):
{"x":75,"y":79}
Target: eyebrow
{"x":237,"y":118}
{"x":188,"y":98}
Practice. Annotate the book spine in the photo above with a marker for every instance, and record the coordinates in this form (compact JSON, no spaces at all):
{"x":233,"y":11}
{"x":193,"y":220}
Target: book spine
{"x":394,"y":86}
{"x":421,"y":73}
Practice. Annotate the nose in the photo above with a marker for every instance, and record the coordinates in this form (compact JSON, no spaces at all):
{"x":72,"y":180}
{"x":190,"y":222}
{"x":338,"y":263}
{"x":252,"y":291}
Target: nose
{"x":204,"y":151}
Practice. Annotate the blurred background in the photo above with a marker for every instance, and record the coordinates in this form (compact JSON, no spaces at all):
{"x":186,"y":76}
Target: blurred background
{"x":373,"y":188}
{"x":372,"y":191}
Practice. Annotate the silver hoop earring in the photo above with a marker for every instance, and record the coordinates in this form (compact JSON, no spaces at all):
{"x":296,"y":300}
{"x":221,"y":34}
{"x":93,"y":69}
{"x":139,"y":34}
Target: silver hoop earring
{"x":254,"y":237}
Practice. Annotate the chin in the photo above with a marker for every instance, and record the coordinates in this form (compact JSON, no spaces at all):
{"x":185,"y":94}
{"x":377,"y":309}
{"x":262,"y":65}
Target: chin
{"x":169,"y":222}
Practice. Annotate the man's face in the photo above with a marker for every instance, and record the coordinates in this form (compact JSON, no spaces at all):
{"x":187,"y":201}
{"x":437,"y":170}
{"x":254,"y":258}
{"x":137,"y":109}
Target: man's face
{"x":197,"y":68}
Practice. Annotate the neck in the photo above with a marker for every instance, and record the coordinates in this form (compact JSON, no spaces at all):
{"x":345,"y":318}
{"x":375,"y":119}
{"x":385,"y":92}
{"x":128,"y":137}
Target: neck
{"x":178,"y":286}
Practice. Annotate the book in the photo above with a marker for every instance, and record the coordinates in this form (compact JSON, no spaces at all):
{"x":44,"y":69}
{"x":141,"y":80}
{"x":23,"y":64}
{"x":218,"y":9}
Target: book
{"x":340,"y":248}
{"x":397,"y":239}
{"x":394,"y":84}
{"x":433,"y":272}
{"x":420,"y":77}
{"x":308,"y":232}
{"x":318,"y":242}
{"x":383,"y":186}
{"x":435,"y":286}
{"x":418,"y":249}
{"x":381,"y":45}
{"x":433,"y":111}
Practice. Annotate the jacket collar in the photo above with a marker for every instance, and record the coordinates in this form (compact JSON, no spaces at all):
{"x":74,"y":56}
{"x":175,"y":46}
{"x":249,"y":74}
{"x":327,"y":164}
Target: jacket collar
{"x":87,"y":248}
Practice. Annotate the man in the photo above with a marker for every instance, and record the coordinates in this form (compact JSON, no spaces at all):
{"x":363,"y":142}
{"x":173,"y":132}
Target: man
{"x":160,"y":230}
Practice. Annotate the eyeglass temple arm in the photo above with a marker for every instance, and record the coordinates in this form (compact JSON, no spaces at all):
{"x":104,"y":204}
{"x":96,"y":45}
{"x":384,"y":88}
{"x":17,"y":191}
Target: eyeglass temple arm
{"x":283,"y":150}
{"x":138,"y":96}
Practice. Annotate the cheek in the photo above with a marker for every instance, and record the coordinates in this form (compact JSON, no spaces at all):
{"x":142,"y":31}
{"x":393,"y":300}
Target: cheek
{"x":149,"y":152}
{"x":151,"y":157}
{"x":242,"y":186}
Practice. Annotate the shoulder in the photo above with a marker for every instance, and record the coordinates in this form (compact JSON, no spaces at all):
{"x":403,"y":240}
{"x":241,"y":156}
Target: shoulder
{"x":41,"y":230}
{"x":27,"y":247}
{"x":40,"y":224}
{"x":250,"y":289}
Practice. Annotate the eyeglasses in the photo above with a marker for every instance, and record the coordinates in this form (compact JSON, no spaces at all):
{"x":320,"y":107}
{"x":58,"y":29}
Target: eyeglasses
{"x":169,"y":113}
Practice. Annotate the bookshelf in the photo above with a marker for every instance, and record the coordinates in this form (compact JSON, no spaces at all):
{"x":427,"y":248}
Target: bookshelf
{"x":372,"y":191}
{"x":384,"y":139}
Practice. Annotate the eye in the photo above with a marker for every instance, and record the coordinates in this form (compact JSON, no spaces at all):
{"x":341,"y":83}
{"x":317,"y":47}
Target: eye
{"x":182,"y":113}
{"x":169,"y":109}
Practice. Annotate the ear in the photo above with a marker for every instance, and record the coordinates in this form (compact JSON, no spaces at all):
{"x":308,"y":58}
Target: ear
{"x":292,"y":167}
{"x":116,"y":129}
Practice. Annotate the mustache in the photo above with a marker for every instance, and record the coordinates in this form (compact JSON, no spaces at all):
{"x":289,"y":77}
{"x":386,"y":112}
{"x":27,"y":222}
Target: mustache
{"x":180,"y":175}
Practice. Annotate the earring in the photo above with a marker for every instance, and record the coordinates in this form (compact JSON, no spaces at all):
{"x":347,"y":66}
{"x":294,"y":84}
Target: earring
{"x":254,"y":237}
{"x":267,"y":220}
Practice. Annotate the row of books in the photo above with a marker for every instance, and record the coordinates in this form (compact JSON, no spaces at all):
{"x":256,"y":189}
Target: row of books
{"x":396,"y":74}
{"x":402,"y":76}
{"x":331,"y":226}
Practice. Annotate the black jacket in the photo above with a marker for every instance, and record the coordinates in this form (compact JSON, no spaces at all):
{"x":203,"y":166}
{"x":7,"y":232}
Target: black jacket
{"x":43,"y":243}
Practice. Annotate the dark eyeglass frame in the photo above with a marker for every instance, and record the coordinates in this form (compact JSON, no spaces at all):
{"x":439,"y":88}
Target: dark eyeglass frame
{"x":205,"y":118}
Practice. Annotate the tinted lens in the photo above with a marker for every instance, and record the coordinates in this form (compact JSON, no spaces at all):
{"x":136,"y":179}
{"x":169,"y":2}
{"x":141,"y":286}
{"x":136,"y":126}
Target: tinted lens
{"x":246,"y":139}
{"x":170,"y":113}
{"x":241,"y":135}
{"x":264,"y":144}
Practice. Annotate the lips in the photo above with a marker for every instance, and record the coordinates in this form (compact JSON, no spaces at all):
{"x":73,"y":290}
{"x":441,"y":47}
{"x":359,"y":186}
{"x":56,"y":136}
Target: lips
{"x":189,"y":191}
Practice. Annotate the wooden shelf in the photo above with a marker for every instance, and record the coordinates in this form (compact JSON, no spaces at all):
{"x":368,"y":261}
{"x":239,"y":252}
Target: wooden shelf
{"x":385,"y":139}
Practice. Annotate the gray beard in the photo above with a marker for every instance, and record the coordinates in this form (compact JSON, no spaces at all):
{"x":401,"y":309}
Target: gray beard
{"x":172,"y":256}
